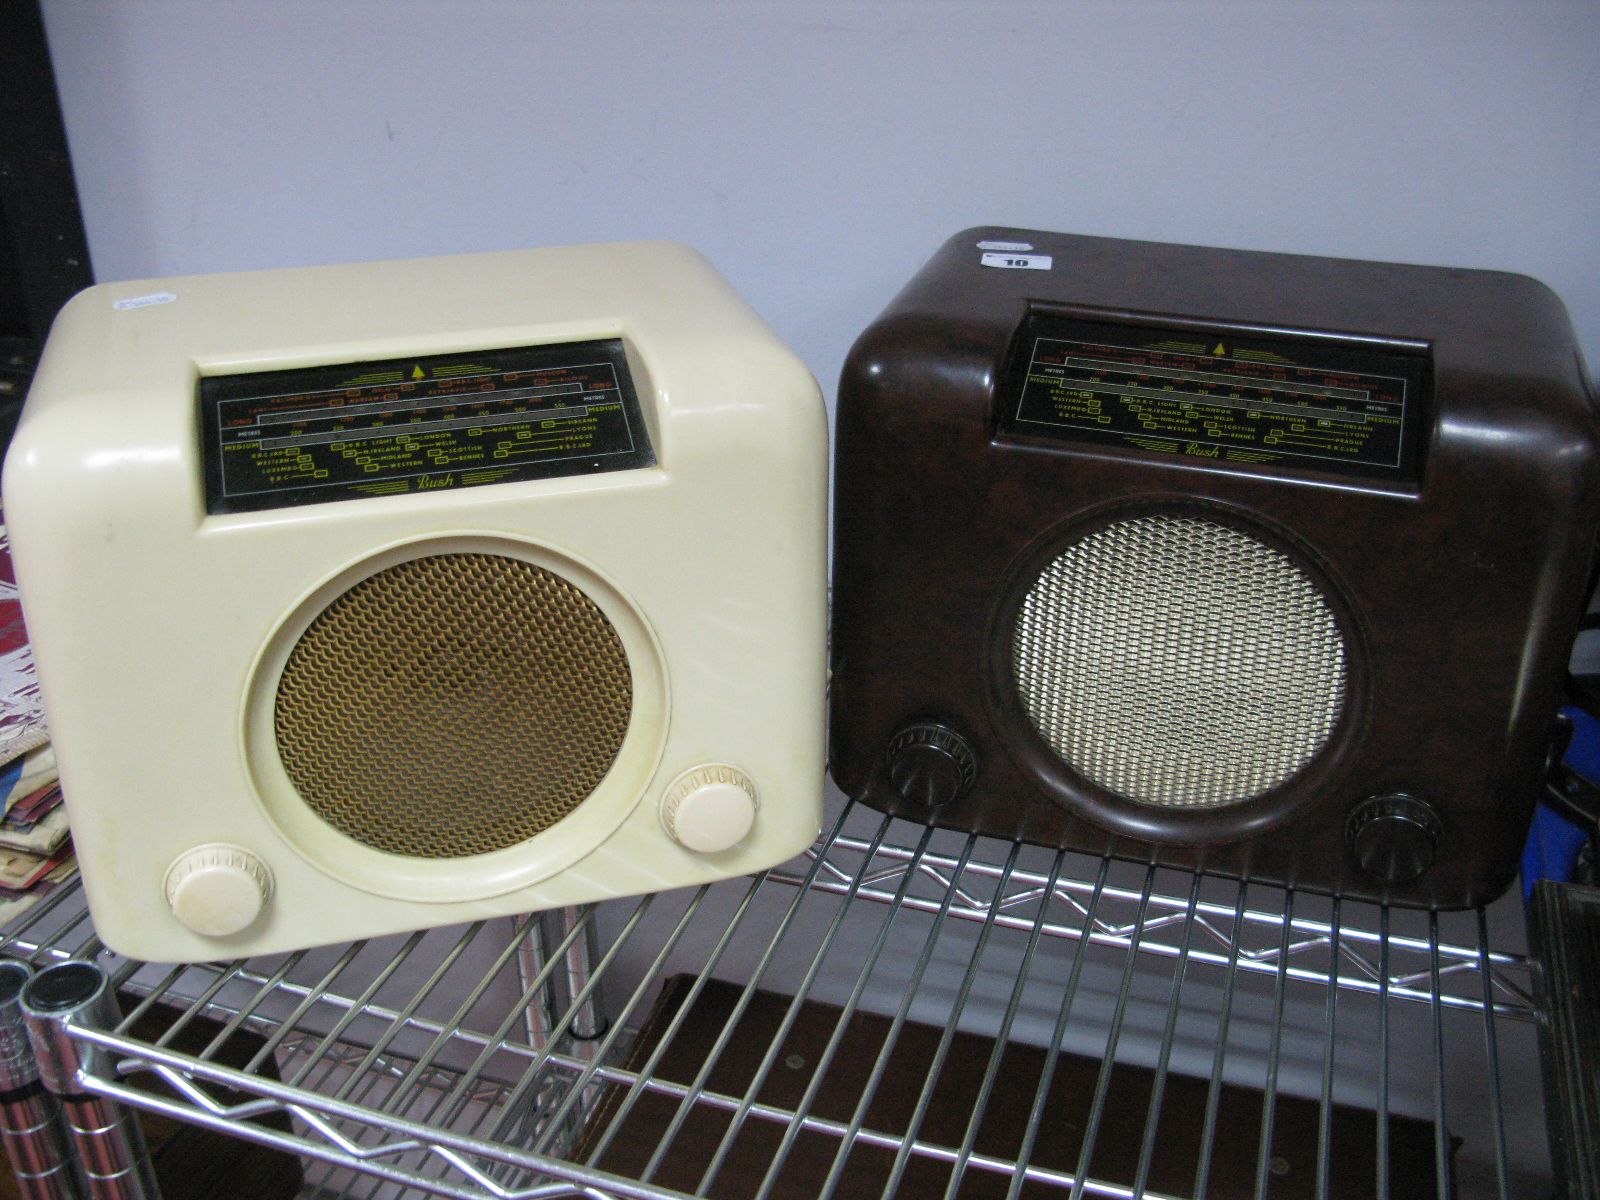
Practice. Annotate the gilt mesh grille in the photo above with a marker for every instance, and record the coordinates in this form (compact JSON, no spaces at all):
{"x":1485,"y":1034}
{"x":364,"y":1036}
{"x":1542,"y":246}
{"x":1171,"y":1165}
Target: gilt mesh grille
{"x":453,"y":705}
{"x":1175,"y":661}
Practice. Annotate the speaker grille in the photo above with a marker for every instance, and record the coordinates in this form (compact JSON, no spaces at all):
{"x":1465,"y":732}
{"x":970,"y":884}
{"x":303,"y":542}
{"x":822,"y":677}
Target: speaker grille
{"x":453,"y":705}
{"x":1179,"y":662}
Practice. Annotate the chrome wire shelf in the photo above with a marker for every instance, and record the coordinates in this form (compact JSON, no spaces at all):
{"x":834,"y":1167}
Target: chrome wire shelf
{"x":868,"y":1020}
{"x":1398,"y":965}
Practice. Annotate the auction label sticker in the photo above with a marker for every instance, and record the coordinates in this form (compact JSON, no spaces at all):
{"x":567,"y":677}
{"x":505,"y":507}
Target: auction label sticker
{"x":1017,"y":262}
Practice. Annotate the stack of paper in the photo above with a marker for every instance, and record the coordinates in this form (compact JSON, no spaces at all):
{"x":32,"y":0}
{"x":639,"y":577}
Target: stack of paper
{"x":35,"y":842}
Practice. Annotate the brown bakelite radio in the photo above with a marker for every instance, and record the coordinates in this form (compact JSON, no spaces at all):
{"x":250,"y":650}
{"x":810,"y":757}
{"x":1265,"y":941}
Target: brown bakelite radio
{"x":1260,"y":564}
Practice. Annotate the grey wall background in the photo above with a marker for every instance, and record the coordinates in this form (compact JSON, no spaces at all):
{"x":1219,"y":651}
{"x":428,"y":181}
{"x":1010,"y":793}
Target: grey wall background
{"x":819,"y":151}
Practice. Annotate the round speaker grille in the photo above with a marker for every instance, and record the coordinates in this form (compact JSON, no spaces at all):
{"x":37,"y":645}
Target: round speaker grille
{"x":453,"y":705}
{"x":1179,"y":662}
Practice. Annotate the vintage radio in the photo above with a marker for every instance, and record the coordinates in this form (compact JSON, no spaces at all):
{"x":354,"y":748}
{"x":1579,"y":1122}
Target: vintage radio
{"x":1257,"y":563}
{"x":377,"y":597}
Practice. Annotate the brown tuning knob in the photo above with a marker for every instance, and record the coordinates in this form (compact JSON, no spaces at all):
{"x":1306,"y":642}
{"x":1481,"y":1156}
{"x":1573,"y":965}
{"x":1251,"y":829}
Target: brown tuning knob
{"x":931,"y":764}
{"x":1393,"y":837}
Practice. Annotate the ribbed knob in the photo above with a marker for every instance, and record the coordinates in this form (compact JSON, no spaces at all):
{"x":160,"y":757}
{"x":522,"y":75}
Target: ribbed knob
{"x":1393,"y":837}
{"x":931,"y":764}
{"x":709,"y":808}
{"x":217,"y":889}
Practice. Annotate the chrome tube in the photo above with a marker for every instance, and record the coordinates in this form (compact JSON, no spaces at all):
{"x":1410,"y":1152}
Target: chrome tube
{"x":105,"y":1135}
{"x":31,"y":1127}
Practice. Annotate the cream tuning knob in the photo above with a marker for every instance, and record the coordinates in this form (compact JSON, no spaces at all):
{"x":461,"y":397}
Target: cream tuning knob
{"x":216,"y":890}
{"x":709,"y":808}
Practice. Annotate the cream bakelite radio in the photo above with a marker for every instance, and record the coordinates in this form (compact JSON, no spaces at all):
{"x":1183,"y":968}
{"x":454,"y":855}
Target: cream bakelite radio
{"x":377,"y":597}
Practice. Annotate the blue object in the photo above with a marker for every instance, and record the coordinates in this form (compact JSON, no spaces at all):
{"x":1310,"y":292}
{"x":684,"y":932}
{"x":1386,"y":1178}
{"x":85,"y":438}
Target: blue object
{"x":1553,"y":840}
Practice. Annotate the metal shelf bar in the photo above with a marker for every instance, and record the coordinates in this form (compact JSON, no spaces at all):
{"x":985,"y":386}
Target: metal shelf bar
{"x":525,"y":1087}
{"x":1147,"y":1148}
{"x":1383,"y":1061}
{"x":1312,"y":934}
{"x":429,"y":985}
{"x":1023,"y":1170}
{"x":1330,"y":1040}
{"x":832,"y":1047}
{"x":16,"y":944}
{"x":1441,"y":1147}
{"x":1214,"y":1088}
{"x":1097,"y":1107}
{"x":1068,"y":995}
{"x":1492,"y":1050}
{"x":1270,"y":1090}
{"x":902,"y":1012}
{"x":359,"y":1005}
{"x":375,"y":1084}
{"x":1244,"y":961}
{"x":935,"y":862}
{"x":925,"y":1099}
{"x":636,"y":1090}
{"x":568,"y":1105}
{"x":275,"y":1038}
{"x":460,"y":1154}
{"x":1002,"y":1037}
{"x":411,"y":1079}
{"x":266,"y":989}
{"x":764,"y":1067}
{"x":530,"y":994}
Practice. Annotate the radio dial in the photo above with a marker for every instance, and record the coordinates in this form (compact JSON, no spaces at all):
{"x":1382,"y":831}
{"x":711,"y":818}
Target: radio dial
{"x":710,"y":808}
{"x":1393,"y":837}
{"x":931,"y":764}
{"x":216,"y":890}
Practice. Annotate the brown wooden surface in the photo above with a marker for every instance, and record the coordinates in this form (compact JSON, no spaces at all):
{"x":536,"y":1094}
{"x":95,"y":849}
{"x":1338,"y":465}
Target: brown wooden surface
{"x":1117,"y":1145}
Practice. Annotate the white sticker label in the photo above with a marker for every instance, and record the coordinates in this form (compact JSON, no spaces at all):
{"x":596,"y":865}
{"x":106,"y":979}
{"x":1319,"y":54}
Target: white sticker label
{"x":1009,"y":247}
{"x":1018,"y":262}
{"x":144,"y":301}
